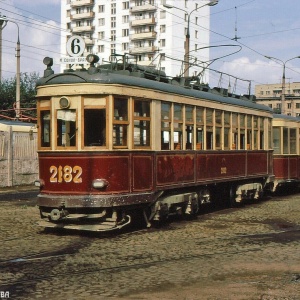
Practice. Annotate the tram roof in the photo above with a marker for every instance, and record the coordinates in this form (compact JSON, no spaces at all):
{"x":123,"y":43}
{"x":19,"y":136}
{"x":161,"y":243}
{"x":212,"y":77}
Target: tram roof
{"x":103,"y":76}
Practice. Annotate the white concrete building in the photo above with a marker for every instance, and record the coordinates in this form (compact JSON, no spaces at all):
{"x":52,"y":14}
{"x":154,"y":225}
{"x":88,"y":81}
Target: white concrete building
{"x":146,"y":28}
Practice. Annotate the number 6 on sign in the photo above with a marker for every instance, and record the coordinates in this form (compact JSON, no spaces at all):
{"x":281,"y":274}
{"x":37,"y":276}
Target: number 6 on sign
{"x":75,"y":46}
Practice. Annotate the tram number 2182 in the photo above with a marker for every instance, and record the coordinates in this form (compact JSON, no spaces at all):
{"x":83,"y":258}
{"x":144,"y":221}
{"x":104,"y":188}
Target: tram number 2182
{"x":65,"y":174}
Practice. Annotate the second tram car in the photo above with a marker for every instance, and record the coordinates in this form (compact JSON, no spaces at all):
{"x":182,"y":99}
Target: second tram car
{"x":119,"y":139}
{"x":286,"y":157}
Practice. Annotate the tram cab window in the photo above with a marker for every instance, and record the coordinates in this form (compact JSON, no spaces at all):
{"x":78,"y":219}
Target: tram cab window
{"x":120,"y":123}
{"x":66,"y":127}
{"x":45,"y":128}
{"x":165,"y":126}
{"x":94,"y":127}
{"x":141,"y":123}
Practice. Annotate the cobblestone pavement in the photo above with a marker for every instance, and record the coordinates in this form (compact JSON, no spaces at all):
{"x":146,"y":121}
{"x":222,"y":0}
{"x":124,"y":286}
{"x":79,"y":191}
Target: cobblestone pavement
{"x":252,"y":252}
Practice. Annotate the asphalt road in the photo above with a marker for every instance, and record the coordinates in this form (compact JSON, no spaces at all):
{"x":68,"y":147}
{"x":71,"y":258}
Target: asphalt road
{"x":252,"y":252}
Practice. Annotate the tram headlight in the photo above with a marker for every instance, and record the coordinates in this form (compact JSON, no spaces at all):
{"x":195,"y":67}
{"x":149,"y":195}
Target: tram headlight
{"x":64,"y":102}
{"x":39,"y":183}
{"x":92,"y":59}
{"x":99,"y":183}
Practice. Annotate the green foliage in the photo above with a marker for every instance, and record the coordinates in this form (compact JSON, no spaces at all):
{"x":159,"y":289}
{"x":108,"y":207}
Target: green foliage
{"x":27,"y":96}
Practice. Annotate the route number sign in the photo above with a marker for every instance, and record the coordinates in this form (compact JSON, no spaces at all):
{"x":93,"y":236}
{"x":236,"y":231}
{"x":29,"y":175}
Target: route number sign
{"x":75,"y":46}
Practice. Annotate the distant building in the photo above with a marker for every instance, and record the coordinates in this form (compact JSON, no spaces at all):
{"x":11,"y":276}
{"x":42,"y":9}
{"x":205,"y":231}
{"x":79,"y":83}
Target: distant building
{"x":271,"y":95}
{"x":147,"y":29}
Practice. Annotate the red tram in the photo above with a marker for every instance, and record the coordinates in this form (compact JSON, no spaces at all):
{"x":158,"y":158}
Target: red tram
{"x":286,"y":157}
{"x":119,"y":139}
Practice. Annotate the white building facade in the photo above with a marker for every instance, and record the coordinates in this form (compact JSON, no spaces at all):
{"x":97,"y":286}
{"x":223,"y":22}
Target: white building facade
{"x":153,"y":33}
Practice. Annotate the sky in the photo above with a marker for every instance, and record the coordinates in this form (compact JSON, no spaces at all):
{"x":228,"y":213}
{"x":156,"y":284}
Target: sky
{"x":262,"y":28}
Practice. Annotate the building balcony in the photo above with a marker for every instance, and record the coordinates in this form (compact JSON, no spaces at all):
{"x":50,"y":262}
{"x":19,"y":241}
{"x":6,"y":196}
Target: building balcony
{"x":81,"y":3}
{"x":86,"y":15}
{"x":83,"y":29}
{"x":88,"y":41}
{"x":146,"y":63}
{"x":139,"y":50}
{"x":141,"y":22}
{"x":146,"y":7}
{"x":143,"y":35}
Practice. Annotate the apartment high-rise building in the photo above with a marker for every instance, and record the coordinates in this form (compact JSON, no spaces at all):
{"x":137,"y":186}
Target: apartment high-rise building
{"x":155,"y":34}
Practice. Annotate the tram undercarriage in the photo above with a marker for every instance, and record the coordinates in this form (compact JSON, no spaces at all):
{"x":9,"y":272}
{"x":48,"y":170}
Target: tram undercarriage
{"x":164,"y":204}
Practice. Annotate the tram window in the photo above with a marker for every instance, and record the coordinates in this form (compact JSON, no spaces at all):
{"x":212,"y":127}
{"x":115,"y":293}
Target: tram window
{"x":249,"y":132}
{"x":226,"y":130}
{"x":242,"y":131}
{"x":45,"y":128}
{"x":218,"y":124}
{"x":120,"y":109}
{"x":165,"y":126}
{"x":199,"y":130}
{"x":276,"y":140}
{"x":177,"y":126}
{"x":199,"y":138}
{"x":270,"y":133}
{"x":261,"y":133}
{"x":209,"y":138}
{"x":177,"y":136}
{"x":189,"y":129}
{"x":234,"y":131}
{"x":120,"y":126}
{"x":141,"y":133}
{"x":242,"y":139}
{"x":66,"y":128}
{"x":209,"y":130}
{"x":218,"y":137}
{"x":226,"y":137}
{"x":189,"y":114}
{"x":285,"y":140}
{"x":141,"y":123}
{"x":94,"y":127}
{"x":209,"y":116}
{"x":120,"y":135}
{"x":293,"y":148}
{"x":255,"y":132}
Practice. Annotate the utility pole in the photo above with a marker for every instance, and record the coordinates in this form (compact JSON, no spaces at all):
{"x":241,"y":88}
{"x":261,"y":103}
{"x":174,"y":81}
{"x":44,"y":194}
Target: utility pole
{"x":2,"y":25}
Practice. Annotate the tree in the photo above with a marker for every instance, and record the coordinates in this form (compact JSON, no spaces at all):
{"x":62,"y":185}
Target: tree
{"x":27,"y":97}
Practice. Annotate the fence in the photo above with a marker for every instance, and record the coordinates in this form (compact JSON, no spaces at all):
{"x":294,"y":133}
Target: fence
{"x":18,"y":157}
